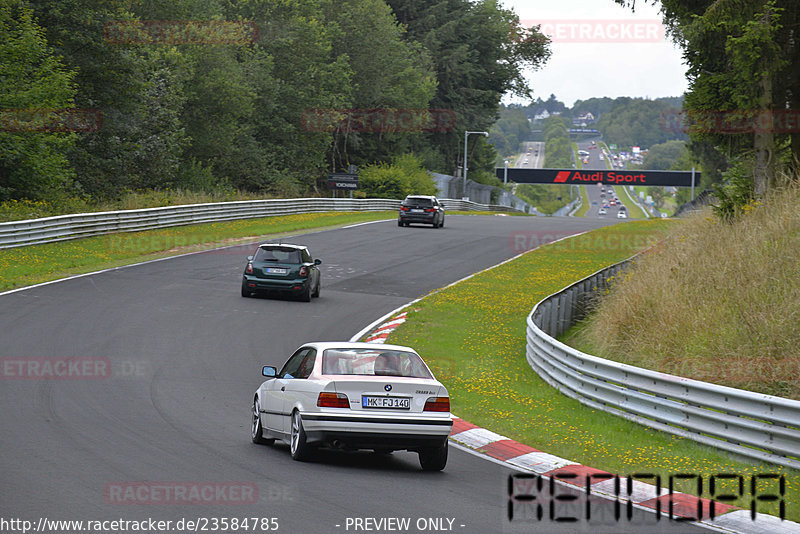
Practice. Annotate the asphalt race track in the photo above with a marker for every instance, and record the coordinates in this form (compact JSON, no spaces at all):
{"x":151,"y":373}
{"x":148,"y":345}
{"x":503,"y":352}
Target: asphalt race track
{"x":184,"y":352}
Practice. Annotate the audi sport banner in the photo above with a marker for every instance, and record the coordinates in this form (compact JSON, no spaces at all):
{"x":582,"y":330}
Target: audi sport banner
{"x":589,"y":176}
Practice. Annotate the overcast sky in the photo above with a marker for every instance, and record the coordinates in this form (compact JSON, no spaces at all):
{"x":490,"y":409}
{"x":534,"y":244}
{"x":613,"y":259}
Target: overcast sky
{"x":602,"y":49}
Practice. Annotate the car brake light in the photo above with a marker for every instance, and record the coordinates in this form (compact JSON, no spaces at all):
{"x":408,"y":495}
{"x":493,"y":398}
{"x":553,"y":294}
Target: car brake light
{"x":403,"y":208}
{"x":249,"y":269}
{"x":303,"y":271}
{"x":334,"y":400}
{"x":437,"y":404}
{"x":430,"y":210}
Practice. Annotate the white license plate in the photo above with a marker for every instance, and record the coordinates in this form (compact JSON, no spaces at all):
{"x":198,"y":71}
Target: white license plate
{"x":417,"y":211}
{"x":397,"y":403}
{"x":276,"y":270}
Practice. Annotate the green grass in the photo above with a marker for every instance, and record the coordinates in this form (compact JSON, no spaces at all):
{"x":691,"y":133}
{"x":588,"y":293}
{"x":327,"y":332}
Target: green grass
{"x":473,"y":336}
{"x":634,"y":211}
{"x":585,"y":203}
{"x":23,"y":266}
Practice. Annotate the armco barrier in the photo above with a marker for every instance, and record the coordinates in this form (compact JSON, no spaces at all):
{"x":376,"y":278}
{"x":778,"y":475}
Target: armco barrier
{"x":64,"y":227}
{"x":759,"y":426}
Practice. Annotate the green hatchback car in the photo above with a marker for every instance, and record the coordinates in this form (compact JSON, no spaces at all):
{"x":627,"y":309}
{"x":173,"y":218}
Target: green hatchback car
{"x":284,"y":268}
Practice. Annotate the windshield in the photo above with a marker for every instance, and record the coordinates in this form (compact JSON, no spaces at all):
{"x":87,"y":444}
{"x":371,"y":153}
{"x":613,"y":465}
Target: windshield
{"x":279,"y":255}
{"x":417,"y":201}
{"x":372,"y":362}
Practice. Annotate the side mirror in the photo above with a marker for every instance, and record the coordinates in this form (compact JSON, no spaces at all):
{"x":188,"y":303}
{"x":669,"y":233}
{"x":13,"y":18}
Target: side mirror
{"x":318,"y":262}
{"x":269,"y":371}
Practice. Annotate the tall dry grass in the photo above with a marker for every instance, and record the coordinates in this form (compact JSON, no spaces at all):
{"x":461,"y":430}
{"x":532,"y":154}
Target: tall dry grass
{"x":718,"y":302}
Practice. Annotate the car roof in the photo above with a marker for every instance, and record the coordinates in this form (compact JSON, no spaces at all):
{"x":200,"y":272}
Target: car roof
{"x":420,"y":196}
{"x":286,"y":245}
{"x":323,"y":345}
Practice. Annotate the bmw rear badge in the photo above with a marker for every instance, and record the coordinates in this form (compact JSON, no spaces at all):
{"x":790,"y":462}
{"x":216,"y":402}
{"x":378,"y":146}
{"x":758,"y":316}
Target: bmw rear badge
{"x":387,"y":387}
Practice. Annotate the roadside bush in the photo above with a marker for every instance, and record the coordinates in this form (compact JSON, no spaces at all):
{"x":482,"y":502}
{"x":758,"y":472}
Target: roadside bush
{"x":404,"y":176}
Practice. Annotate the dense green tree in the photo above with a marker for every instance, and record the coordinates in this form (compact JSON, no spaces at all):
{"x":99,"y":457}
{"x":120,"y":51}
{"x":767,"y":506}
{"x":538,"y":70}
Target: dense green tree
{"x":390,"y":73}
{"x":557,"y":145}
{"x":480,"y":53}
{"x":638,"y":122}
{"x":743,"y":60}
{"x":663,"y":156}
{"x":511,"y":129}
{"x":403,"y":176}
{"x":35,"y":86}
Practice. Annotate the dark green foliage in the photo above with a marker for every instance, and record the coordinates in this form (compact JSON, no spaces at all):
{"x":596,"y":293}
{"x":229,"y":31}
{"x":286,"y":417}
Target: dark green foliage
{"x":32,"y":162}
{"x":737,"y":191}
{"x":639,"y":122}
{"x":558,"y":147}
{"x":404,"y":176}
{"x":210,"y":115}
{"x":664,"y":156}
{"x":479,"y":53}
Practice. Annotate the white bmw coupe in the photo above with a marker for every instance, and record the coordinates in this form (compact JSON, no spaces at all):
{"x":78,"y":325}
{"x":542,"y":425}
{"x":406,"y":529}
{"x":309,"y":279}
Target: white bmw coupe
{"x":354,"y":396}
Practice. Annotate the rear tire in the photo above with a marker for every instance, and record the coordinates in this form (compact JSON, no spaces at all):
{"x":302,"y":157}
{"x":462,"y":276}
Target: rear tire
{"x":400,"y":224}
{"x":298,"y":446}
{"x":305,"y":296}
{"x":246,"y":290}
{"x":433,"y":459}
{"x":315,"y":294}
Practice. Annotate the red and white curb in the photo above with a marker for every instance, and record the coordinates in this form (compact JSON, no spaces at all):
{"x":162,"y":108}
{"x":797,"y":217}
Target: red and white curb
{"x":380,"y":334}
{"x":642,"y":495}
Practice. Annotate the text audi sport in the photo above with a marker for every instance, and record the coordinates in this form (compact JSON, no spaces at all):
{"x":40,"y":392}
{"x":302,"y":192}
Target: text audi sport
{"x":354,"y":396}
{"x":610,"y":177}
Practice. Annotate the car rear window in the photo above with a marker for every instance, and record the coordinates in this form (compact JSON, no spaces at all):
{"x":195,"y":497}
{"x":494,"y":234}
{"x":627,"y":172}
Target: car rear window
{"x":372,"y":362}
{"x":279,"y":255}
{"x":423,"y":202}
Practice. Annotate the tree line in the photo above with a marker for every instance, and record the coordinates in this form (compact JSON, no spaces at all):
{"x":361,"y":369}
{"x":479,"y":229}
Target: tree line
{"x":258,"y":95}
{"x":743,"y":101}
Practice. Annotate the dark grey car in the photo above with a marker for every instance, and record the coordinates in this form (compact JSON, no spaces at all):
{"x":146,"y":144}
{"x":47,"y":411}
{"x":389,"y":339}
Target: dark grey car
{"x":421,"y":209}
{"x":280,"y":267}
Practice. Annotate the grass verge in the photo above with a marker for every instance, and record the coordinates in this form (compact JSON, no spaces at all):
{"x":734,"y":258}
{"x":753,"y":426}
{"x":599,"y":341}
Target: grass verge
{"x":719,"y":302}
{"x":585,"y":203}
{"x":634,"y":211}
{"x":473,"y":336}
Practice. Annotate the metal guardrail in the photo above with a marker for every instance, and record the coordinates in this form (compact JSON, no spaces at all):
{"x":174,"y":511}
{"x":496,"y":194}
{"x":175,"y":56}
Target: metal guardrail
{"x":759,"y":426}
{"x":65,"y":227}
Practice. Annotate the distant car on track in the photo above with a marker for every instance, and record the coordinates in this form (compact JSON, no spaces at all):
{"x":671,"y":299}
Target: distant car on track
{"x":421,"y":209}
{"x":354,"y":396}
{"x":601,"y":211}
{"x":622,"y":214}
{"x":282,"y":267}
